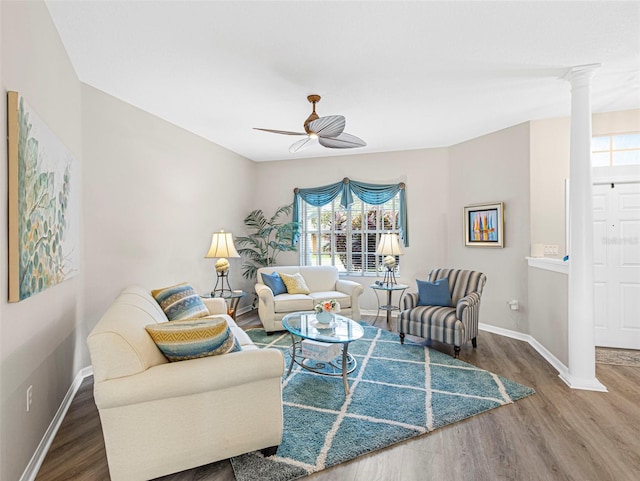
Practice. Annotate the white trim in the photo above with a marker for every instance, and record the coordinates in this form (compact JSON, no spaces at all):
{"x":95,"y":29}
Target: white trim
{"x":616,"y":179}
{"x":31,"y":471}
{"x":549,"y":264}
{"x":563,"y":371}
{"x":244,"y":310}
{"x":584,"y":384}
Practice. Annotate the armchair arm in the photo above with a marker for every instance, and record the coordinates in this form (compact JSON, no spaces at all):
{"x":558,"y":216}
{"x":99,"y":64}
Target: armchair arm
{"x":184,"y":378}
{"x":409,"y":300}
{"x":216,"y":305}
{"x":468,"y":306}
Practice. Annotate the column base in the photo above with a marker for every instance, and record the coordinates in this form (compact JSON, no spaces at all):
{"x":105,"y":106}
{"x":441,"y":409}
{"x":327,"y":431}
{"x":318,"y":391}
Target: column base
{"x":590,"y":384}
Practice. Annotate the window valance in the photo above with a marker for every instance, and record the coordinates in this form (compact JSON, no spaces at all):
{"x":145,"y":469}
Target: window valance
{"x":374,"y":194}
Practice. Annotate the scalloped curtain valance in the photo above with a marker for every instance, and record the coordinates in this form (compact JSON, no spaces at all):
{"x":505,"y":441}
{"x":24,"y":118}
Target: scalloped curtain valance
{"x":374,"y":194}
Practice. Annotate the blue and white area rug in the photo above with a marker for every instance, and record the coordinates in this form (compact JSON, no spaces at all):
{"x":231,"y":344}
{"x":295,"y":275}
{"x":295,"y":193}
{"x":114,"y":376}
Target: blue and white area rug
{"x":397,"y":392}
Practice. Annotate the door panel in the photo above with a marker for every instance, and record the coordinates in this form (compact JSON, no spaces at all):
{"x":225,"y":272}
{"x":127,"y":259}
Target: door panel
{"x":617,"y":265}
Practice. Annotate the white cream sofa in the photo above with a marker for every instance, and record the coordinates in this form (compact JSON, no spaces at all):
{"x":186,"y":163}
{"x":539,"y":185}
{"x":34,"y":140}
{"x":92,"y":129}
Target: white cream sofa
{"x":159,"y":417}
{"x":323,"y":282}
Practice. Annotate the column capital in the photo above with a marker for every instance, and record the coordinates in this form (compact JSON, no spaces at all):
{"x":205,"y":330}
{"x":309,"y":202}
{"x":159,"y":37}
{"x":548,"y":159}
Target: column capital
{"x":581,"y":75}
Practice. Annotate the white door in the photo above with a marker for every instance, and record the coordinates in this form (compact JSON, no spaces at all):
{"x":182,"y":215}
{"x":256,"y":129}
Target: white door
{"x":616,"y":216}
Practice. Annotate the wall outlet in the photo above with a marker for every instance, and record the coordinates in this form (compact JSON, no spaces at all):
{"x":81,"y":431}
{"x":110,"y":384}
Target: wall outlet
{"x":514,"y":305}
{"x":29,"y":397}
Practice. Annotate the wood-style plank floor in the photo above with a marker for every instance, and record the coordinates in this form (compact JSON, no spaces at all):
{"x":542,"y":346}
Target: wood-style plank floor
{"x":556,"y":434}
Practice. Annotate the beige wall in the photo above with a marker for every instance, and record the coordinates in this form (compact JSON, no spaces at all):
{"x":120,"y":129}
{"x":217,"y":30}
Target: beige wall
{"x":548,"y":311}
{"x":548,"y":171}
{"x":154,"y":194}
{"x":491,"y":168}
{"x":38,"y":335}
{"x":425,"y":173}
{"x":550,"y":151}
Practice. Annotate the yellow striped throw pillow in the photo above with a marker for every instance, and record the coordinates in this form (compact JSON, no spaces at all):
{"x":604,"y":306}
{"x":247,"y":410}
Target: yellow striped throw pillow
{"x":295,"y":283}
{"x":193,"y":338}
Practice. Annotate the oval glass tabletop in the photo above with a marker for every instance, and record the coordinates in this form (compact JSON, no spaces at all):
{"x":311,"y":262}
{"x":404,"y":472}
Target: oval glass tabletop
{"x":305,"y":325}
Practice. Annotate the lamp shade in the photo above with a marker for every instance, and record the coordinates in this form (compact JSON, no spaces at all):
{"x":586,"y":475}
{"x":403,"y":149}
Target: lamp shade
{"x":389,"y":245}
{"x":222,"y":245}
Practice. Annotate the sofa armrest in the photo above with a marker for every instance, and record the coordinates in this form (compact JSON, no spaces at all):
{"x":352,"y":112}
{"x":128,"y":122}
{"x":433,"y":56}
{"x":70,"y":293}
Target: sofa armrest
{"x":216,"y":305}
{"x":185,"y":378}
{"x":263,"y":291}
{"x":354,"y":289}
{"x":265,"y":297}
{"x":266,"y":307}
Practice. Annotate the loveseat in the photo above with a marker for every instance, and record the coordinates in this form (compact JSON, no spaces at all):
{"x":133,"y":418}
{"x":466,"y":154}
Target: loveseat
{"x":324,"y":283}
{"x":161,"y":417}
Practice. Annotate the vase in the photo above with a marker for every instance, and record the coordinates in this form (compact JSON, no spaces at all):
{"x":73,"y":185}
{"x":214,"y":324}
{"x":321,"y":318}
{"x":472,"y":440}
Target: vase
{"x":324,"y":317}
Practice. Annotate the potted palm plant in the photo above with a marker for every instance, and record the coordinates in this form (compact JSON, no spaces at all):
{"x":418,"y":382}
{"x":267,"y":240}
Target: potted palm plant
{"x":267,"y":238}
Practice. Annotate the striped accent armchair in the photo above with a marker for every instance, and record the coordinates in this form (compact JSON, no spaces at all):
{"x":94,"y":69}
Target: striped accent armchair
{"x":451,"y":325}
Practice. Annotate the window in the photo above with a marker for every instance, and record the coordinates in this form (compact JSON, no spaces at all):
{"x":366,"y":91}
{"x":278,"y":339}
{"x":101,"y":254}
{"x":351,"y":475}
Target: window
{"x":346,"y":237}
{"x":615,"y":150}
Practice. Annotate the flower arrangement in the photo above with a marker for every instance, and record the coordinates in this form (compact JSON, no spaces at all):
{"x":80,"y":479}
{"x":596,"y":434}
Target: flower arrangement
{"x":330,"y":305}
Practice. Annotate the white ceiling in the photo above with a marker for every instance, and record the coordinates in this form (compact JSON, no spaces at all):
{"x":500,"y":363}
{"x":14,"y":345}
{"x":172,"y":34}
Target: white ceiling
{"x":406,"y":75}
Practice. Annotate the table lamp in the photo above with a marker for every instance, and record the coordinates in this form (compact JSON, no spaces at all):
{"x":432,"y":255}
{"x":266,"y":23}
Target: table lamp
{"x":222,"y":247}
{"x":389,"y":246}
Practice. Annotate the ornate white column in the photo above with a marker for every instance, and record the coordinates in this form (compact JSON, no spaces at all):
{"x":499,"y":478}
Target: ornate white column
{"x":582,"y":352}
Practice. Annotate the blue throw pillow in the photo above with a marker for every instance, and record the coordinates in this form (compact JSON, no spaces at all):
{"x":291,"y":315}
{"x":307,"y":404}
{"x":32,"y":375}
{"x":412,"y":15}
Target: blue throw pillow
{"x":434,"y":293}
{"x":274,"y":282}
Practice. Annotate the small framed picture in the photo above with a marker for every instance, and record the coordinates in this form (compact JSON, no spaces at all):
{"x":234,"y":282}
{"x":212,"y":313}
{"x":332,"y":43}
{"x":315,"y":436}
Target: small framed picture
{"x":484,"y":225}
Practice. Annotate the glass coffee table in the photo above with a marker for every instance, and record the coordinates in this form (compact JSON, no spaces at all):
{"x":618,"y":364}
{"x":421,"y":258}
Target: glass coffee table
{"x":341,"y":330}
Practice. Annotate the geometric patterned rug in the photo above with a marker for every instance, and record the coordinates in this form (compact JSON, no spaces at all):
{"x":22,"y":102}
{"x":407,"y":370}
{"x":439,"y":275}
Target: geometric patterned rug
{"x":397,"y":392}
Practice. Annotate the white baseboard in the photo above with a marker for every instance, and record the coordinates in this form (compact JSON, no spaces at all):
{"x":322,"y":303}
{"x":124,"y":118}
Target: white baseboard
{"x":543,"y":351}
{"x":563,"y":371}
{"x":244,"y":310}
{"x":31,"y":471}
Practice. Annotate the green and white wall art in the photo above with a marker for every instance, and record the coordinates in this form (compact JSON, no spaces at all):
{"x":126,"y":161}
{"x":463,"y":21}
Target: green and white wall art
{"x":43,"y":204}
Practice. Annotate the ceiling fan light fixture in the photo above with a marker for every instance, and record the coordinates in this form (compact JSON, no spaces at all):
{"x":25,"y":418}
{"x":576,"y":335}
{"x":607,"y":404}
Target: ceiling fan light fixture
{"x":328,"y":131}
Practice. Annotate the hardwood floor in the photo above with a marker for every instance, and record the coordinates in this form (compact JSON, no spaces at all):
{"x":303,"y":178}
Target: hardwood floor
{"x":556,"y":434}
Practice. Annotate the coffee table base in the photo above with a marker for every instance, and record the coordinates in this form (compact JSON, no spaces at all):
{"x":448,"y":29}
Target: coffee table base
{"x":325,"y":368}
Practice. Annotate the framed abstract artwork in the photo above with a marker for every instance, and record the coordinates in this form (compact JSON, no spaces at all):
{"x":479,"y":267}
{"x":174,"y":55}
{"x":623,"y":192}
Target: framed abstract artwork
{"x":44,"y":214}
{"x":484,"y":225}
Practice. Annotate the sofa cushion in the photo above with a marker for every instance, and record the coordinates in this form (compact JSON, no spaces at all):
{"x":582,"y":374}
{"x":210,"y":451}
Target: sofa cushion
{"x":180,"y":302}
{"x":295,"y":283}
{"x":434,"y":293}
{"x":274,"y":282}
{"x":193,"y":338}
{"x":341,"y":297}
{"x":293,"y":302}
{"x":320,"y":278}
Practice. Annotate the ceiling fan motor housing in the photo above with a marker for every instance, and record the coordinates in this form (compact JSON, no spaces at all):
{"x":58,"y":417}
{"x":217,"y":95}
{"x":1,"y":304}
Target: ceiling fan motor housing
{"x":313,"y":99}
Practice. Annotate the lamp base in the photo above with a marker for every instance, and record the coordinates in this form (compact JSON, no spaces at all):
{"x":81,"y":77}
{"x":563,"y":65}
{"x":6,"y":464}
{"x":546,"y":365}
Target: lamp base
{"x":390,"y":277}
{"x":223,"y":277}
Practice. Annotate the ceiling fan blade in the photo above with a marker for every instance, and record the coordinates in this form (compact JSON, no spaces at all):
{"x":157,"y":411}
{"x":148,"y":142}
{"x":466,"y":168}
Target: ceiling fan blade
{"x":284,"y":132}
{"x":329,"y":126}
{"x":302,"y":144}
{"x":342,"y":141}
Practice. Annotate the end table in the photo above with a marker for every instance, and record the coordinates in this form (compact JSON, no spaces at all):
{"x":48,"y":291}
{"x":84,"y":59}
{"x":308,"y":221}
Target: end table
{"x":389,"y":306}
{"x":232,"y":298}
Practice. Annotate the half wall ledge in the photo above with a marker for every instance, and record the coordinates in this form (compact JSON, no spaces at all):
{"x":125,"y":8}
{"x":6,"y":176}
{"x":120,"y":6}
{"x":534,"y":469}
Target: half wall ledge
{"x":549,"y":264}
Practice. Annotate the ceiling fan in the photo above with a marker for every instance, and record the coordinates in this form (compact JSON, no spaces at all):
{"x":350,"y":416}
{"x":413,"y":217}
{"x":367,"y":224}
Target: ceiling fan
{"x":328,"y":131}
